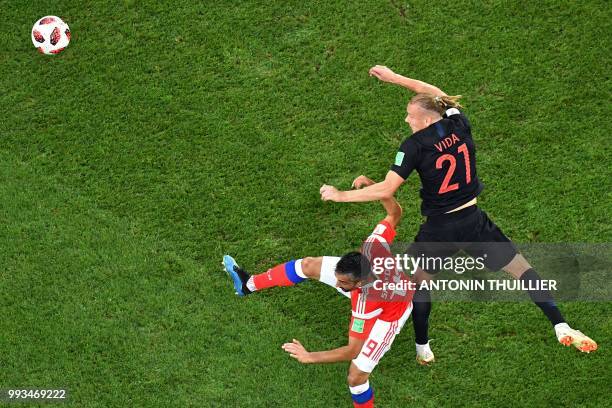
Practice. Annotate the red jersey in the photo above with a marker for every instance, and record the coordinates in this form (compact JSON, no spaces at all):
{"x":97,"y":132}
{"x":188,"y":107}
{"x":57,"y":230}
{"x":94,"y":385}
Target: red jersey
{"x":372,"y":302}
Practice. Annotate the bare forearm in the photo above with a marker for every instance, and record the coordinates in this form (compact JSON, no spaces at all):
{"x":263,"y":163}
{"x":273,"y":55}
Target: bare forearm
{"x":416,"y":86}
{"x":375,"y":192}
{"x":343,"y":353}
{"x":393,"y":209}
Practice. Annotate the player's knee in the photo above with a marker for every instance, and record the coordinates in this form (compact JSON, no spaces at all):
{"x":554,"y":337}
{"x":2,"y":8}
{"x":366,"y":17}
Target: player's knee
{"x":311,"y":267}
{"x":420,"y":275}
{"x":356,"y":377}
{"x":517,"y":266}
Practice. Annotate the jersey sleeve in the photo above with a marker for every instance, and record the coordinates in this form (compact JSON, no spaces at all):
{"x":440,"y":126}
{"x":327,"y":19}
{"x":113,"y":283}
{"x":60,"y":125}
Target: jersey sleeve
{"x":361,"y":328}
{"x":385,"y":230}
{"x":457,"y":117}
{"x":406,"y":158}
{"x":364,"y":314}
{"x":377,"y":244}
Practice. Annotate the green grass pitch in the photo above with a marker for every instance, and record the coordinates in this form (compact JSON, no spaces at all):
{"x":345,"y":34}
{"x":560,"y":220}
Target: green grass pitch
{"x":169,"y":133}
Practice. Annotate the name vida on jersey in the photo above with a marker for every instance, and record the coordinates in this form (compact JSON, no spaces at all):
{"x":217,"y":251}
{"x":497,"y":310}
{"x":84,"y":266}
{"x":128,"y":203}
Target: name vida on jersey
{"x":446,"y":142}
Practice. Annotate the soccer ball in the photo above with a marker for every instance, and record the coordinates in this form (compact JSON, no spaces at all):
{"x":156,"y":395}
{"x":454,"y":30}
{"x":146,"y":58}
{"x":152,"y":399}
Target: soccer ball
{"x":50,"y":35}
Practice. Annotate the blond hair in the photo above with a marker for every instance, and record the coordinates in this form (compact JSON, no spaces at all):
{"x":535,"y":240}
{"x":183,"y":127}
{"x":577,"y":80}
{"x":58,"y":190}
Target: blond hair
{"x":435,"y":103}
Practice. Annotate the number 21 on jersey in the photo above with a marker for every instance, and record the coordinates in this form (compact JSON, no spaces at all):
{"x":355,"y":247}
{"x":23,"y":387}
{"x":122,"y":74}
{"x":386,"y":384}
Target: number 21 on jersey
{"x":446,"y":187}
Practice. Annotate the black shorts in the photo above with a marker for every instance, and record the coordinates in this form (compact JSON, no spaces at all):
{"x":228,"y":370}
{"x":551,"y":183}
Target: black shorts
{"x":469,"y":230}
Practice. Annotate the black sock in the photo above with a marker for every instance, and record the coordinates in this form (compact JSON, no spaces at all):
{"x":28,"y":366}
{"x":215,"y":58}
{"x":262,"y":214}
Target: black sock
{"x":421,"y":307}
{"x":542,"y":298}
{"x":244,"y":277}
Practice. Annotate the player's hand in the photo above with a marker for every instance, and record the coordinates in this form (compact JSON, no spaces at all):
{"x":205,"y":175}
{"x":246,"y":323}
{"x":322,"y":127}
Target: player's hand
{"x":383,"y":73}
{"x":329,"y":193}
{"x":362,"y":181}
{"x":297,"y":351}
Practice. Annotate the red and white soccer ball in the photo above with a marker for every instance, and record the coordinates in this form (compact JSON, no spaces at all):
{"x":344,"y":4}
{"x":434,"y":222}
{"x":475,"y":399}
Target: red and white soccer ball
{"x":50,"y":35}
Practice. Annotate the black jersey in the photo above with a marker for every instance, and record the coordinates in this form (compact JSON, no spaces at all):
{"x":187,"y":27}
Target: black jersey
{"x":444,"y":155}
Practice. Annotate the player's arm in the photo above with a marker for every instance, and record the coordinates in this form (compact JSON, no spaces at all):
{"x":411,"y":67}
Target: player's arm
{"x":378,"y":191}
{"x":344,"y":353}
{"x":393,"y":208}
{"x":406,"y":160}
{"x":386,"y":75}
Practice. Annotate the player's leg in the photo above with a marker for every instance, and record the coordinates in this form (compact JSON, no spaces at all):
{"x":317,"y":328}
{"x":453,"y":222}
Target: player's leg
{"x":429,"y":244}
{"x":359,"y":386}
{"x":323,"y":269}
{"x":499,"y":252}
{"x":503,"y":254}
{"x":420,"y":318}
{"x":286,"y":274}
{"x":520,"y":269}
{"x":375,"y":346}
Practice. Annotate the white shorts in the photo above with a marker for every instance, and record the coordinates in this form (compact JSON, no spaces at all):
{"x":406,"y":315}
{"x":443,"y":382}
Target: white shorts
{"x":328,"y":273}
{"x":379,"y":342}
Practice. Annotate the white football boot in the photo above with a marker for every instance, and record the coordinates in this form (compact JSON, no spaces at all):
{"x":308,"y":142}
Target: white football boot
{"x":570,"y":337}
{"x":424,"y":355}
